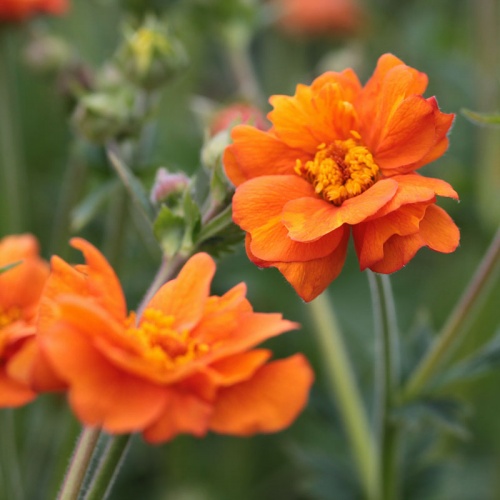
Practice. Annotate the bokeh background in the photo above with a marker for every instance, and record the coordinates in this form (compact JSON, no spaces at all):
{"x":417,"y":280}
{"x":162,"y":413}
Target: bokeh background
{"x":456,"y":42}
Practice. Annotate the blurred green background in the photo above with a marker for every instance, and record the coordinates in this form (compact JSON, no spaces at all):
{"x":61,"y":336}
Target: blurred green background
{"x":456,"y":42}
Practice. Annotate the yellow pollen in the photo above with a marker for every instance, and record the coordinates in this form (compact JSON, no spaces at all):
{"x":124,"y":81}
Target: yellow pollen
{"x":8,"y":316}
{"x":341,"y":170}
{"x":157,"y":340}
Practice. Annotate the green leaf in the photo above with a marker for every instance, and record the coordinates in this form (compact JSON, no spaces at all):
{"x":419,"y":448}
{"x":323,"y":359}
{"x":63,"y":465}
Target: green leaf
{"x":192,"y":218}
{"x":91,"y":205}
{"x":444,"y":413}
{"x":133,"y":186}
{"x":10,"y":266}
{"x":482,"y":118}
{"x":169,"y":230}
{"x":216,"y":225}
{"x":479,"y":364}
{"x":223,"y":242}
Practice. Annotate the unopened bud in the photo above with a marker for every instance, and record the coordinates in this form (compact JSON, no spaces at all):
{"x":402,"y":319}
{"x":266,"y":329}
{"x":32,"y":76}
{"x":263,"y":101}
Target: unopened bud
{"x":48,"y":54}
{"x":167,"y":184}
{"x":235,"y":114}
{"x":151,"y":56}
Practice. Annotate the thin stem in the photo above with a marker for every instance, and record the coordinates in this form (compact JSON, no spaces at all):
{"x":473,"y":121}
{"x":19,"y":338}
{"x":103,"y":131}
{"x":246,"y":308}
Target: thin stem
{"x":9,"y":459}
{"x":451,"y":332}
{"x":345,"y":391}
{"x":79,"y":463}
{"x":10,"y":160}
{"x":116,"y":226}
{"x":108,"y":468}
{"x":387,"y":380}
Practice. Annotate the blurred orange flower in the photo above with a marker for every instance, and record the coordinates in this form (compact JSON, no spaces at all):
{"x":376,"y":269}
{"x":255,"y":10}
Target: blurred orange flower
{"x":186,"y":366}
{"x":319,"y":16}
{"x":18,"y":10}
{"x":342,"y":156}
{"x":20,"y":290}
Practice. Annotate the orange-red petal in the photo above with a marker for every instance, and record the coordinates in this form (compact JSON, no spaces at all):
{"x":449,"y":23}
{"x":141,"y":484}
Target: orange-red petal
{"x":99,"y":393}
{"x":257,"y":208}
{"x":185,"y":297}
{"x":270,"y":401}
{"x":255,"y":153}
{"x":308,"y":219}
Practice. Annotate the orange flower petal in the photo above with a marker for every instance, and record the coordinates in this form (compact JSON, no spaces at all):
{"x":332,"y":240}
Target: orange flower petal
{"x":101,"y":279}
{"x":370,"y":237}
{"x":237,"y":368}
{"x":100,"y":394}
{"x":185,"y":297}
{"x":13,"y":393}
{"x":308,"y":219}
{"x":183,"y":413}
{"x":257,"y":208}
{"x":437,"y":231}
{"x":255,"y":153}
{"x":311,"y":278}
{"x":407,"y":135}
{"x":268,"y":402}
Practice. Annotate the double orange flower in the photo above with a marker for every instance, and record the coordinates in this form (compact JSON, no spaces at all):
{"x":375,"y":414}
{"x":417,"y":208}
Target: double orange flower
{"x":187,"y":365}
{"x":342,"y":157}
{"x":20,"y":290}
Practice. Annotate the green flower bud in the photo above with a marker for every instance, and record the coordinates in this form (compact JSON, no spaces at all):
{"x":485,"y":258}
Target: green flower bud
{"x":150,"y":56}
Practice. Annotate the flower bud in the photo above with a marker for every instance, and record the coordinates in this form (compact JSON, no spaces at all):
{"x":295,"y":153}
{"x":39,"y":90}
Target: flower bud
{"x":48,"y":54}
{"x":150,"y":56}
{"x":167,"y":184}
{"x":235,"y":114}
{"x":103,"y":116}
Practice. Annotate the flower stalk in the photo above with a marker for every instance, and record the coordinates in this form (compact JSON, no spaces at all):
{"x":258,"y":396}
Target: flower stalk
{"x":345,"y":391}
{"x":79,"y":463}
{"x":387,"y":380}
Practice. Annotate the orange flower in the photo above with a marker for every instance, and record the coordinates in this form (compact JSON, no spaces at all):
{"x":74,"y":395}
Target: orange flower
{"x":186,"y":366}
{"x":20,"y":290}
{"x":18,"y":10}
{"x":319,"y":16}
{"x":342,"y":156}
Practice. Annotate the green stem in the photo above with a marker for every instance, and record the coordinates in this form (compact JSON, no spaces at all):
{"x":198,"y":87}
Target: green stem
{"x":9,"y":459}
{"x":108,"y":468}
{"x":453,"y":328}
{"x":387,"y":380}
{"x":12,"y":167}
{"x":116,"y":226}
{"x":345,"y":391}
{"x":79,"y":463}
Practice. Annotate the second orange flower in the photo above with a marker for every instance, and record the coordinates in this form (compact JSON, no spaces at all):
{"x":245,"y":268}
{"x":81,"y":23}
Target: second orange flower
{"x":341,"y":156}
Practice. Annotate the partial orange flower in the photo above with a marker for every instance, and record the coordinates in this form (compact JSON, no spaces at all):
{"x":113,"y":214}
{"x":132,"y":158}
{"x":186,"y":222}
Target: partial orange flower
{"x":313,"y":17}
{"x":340,"y":156}
{"x":18,"y":10}
{"x":20,"y":291}
{"x":187,"y":365}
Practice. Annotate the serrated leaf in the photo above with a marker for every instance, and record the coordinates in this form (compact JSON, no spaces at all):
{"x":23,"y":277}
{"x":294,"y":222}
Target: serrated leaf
{"x":445,"y":413}
{"x":133,"y":186}
{"x":482,"y":118}
{"x":169,"y":230}
{"x":10,"y":266}
{"x":216,"y":225}
{"x":91,"y":205}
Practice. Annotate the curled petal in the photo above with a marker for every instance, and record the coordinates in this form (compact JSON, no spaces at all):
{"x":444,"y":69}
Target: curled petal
{"x":268,"y":402}
{"x":308,"y":219}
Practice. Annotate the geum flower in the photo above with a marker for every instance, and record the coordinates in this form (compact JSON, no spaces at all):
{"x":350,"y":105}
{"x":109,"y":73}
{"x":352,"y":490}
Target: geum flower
{"x":20,"y":290}
{"x":188,"y":365}
{"x":342,"y":156}
{"x":18,"y":10}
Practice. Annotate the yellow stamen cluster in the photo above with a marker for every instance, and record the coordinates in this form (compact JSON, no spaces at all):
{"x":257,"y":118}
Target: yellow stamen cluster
{"x":340,"y":170}
{"x":158,"y":341}
{"x":9,"y":316}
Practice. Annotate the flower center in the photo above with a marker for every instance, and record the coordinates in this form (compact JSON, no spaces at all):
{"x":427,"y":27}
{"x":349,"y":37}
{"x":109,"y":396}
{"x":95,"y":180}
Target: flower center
{"x":160,"y":342}
{"x":8,"y":316}
{"x":340,"y":171}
